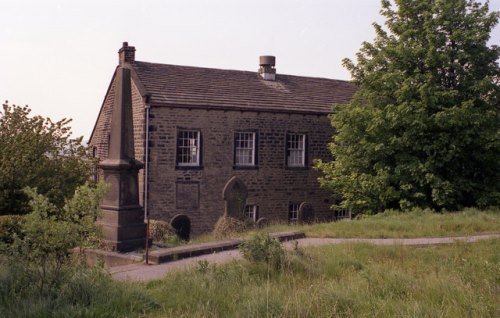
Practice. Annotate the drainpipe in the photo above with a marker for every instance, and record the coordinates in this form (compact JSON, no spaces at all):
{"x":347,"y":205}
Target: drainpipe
{"x":146,"y":178}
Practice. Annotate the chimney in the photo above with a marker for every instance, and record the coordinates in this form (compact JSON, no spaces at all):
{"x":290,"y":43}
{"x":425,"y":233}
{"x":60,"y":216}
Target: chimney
{"x":126,"y":54}
{"x":266,"y":69}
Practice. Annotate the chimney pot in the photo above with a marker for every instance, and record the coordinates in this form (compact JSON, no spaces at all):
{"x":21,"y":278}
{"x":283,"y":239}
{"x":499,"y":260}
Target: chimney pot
{"x":267,"y":60}
{"x":126,"y":54}
{"x":266,"y":69}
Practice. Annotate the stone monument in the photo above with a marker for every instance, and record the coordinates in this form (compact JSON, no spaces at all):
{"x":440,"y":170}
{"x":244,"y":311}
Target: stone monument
{"x":122,"y":219}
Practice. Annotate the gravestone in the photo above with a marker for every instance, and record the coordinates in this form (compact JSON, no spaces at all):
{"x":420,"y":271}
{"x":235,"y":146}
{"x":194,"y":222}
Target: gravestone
{"x":306,"y":213}
{"x":262,"y":222}
{"x":235,"y":196}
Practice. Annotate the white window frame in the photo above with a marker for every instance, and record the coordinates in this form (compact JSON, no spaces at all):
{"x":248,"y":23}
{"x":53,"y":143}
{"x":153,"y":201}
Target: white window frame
{"x":192,"y":145}
{"x":250,"y":212}
{"x":244,"y":145}
{"x":293,"y":212}
{"x":342,"y":213}
{"x":296,"y":150}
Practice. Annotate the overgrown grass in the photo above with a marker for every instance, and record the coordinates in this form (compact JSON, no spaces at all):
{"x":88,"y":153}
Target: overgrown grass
{"x":392,"y":224}
{"x":415,"y":223}
{"x":350,"y":280}
{"x":88,"y":292}
{"x":357,"y":280}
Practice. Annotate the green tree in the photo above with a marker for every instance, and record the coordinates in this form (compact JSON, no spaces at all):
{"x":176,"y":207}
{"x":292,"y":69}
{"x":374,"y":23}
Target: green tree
{"x":43,"y":251}
{"x":40,"y":153}
{"x":423,"y":128}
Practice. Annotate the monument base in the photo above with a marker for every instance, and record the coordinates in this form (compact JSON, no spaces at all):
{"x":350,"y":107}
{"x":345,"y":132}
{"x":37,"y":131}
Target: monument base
{"x":120,"y":234}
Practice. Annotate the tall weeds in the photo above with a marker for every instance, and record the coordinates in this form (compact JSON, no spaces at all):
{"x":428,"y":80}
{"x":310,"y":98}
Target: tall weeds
{"x":355,"y":280}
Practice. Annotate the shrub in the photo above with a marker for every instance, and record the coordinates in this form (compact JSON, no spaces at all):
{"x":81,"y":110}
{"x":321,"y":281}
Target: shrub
{"x":263,"y":249}
{"x":227,"y":226}
{"x":158,"y":229}
{"x":10,"y":227}
{"x":48,"y":234}
{"x":163,"y":233}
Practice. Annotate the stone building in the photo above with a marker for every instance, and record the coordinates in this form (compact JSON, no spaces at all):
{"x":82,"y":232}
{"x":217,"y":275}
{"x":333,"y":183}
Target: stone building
{"x":207,"y":126}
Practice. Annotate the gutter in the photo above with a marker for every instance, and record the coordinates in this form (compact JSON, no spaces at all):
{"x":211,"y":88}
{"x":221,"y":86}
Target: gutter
{"x":147,"y":107}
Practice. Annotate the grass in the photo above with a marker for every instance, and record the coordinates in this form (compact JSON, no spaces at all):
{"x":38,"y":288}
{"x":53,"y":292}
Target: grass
{"x":416,"y":223}
{"x":354,"y":280}
{"x":90,"y":292}
{"x":350,"y":280}
{"x":392,"y":224}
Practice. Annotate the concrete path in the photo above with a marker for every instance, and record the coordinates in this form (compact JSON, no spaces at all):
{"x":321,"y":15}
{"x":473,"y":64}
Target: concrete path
{"x":142,"y":272}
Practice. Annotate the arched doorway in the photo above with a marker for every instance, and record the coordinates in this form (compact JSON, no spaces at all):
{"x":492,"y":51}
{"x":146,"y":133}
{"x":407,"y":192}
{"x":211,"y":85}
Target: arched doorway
{"x":182,"y":226}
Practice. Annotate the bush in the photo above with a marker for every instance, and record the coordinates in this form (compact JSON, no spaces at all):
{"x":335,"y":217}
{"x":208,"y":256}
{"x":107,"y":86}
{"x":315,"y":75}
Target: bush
{"x":158,"y":229}
{"x":227,"y":226}
{"x":42,"y":251}
{"x":10,"y":227}
{"x":263,"y":249}
{"x":163,"y":233}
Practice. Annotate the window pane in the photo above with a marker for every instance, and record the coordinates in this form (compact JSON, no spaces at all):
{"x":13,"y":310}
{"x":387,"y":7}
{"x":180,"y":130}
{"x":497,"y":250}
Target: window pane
{"x":250,"y":212}
{"x":244,"y":148}
{"x":188,"y":149}
{"x":295,"y":150}
{"x":293,"y":212}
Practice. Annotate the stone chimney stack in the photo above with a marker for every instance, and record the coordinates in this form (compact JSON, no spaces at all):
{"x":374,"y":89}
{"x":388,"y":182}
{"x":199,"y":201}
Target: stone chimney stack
{"x":126,"y":54}
{"x":267,"y":70}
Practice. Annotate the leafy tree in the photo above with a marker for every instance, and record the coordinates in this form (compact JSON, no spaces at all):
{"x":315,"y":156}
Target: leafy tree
{"x":423,"y":128}
{"x":40,"y":153}
{"x":42,"y":252}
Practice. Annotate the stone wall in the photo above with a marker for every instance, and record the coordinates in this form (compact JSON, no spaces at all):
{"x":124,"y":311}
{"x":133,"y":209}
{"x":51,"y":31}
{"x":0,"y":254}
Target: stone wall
{"x":272,"y":186}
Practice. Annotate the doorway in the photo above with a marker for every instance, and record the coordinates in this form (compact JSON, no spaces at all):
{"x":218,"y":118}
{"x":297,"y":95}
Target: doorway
{"x":182,"y":226}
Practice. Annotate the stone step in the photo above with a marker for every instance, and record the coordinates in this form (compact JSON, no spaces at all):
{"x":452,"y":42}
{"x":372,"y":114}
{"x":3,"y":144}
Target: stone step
{"x":180,"y":252}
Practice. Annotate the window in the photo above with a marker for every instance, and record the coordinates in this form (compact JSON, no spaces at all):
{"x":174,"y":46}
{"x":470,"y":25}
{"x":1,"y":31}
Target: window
{"x":188,"y":148}
{"x":342,"y":213}
{"x":295,"y":146}
{"x":251,"y":212}
{"x":244,"y":149}
{"x":293,"y":212}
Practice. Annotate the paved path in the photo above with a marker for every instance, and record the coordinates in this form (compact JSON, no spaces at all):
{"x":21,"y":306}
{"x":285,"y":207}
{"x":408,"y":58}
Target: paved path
{"x":142,"y":272}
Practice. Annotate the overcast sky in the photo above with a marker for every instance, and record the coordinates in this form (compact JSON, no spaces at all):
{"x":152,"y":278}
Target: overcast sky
{"x":58,"y":56}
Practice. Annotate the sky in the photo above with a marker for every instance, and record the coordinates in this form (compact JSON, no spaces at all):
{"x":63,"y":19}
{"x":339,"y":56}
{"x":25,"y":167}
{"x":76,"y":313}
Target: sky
{"x":58,"y":56}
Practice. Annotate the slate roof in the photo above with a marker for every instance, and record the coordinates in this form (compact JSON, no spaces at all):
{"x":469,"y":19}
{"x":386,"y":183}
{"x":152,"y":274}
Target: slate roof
{"x":187,"y":86}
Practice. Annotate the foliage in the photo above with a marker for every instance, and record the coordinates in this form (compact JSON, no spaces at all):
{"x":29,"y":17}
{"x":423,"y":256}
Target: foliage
{"x":261,"y":248}
{"x":43,"y":278}
{"x":163,"y":233}
{"x":84,"y":292}
{"x":49,"y":233}
{"x":228,"y":226}
{"x":423,"y":128}
{"x":10,"y":227}
{"x":40,"y":153}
